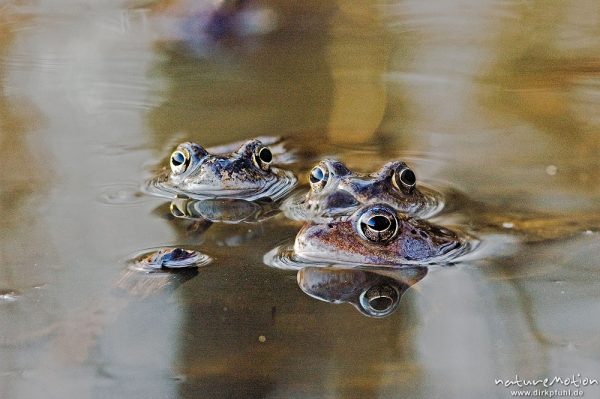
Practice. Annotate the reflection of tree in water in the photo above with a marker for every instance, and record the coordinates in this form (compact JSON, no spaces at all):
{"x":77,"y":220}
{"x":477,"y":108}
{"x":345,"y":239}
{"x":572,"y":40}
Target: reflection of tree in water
{"x":24,"y":176}
{"x":544,"y":68}
{"x":318,"y":76}
{"x":16,"y":119}
{"x":281,"y":86}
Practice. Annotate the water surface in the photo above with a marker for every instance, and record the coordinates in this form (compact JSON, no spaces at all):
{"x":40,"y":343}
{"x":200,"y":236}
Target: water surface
{"x":497,"y":99}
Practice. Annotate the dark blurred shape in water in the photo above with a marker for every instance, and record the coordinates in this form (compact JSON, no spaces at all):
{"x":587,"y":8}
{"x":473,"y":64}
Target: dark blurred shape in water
{"x":375,"y":292}
{"x":223,"y":211}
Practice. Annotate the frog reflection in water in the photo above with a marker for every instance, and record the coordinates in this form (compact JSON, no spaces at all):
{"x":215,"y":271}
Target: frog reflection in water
{"x":374,"y":291}
{"x":377,"y":235}
{"x":247,"y":173}
{"x":337,"y":191}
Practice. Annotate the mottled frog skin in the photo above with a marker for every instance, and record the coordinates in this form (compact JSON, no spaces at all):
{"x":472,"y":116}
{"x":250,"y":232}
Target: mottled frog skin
{"x":336,"y":191}
{"x":247,"y":173}
{"x":377,"y":235}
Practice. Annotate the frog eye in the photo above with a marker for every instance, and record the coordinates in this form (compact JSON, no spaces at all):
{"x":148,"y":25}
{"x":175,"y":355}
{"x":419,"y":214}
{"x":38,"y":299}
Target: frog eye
{"x":263,"y":158}
{"x":180,"y":159}
{"x":404,"y":179}
{"x":319,"y":175}
{"x":378,"y":225}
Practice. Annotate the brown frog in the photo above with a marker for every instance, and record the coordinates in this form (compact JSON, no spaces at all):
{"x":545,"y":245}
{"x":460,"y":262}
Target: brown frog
{"x":337,"y":191}
{"x":378,"y":234}
{"x":247,"y":173}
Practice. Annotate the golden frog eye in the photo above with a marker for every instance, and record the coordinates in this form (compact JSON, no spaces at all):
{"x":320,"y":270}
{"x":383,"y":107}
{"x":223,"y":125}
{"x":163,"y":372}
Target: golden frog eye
{"x":404,"y":179}
{"x":378,"y":225}
{"x":263,"y":158}
{"x":180,"y":159}
{"x":319,"y":175}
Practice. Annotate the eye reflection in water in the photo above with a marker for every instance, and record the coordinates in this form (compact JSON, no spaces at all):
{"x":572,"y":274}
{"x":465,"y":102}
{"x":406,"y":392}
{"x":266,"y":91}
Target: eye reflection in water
{"x":374,"y":291}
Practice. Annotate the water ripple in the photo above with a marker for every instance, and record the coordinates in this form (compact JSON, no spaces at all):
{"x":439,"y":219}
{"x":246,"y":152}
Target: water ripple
{"x":121,"y":194}
{"x":284,"y":257}
{"x":274,"y":189}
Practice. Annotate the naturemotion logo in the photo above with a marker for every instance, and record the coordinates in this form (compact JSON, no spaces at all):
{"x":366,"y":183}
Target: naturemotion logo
{"x":566,"y":386}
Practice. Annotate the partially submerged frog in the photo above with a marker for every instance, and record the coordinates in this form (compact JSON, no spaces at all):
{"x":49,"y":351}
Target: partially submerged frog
{"x":337,"y":191}
{"x":168,"y":258}
{"x":376,"y":235}
{"x":247,"y":173}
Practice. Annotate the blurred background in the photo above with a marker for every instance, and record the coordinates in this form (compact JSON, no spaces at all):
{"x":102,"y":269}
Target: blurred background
{"x":498,"y":99}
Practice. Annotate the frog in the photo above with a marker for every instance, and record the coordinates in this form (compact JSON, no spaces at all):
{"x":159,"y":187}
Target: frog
{"x":246,"y":173}
{"x":168,"y":258}
{"x":336,"y":191}
{"x":379,"y":235}
{"x":373,"y":291}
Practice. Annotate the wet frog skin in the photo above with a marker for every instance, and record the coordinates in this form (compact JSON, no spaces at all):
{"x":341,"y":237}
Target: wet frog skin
{"x":247,"y":173}
{"x":377,"y":235}
{"x":337,"y":191}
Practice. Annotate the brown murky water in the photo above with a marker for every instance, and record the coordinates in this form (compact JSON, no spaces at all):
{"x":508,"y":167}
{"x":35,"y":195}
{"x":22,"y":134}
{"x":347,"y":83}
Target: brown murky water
{"x":498,"y":99}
